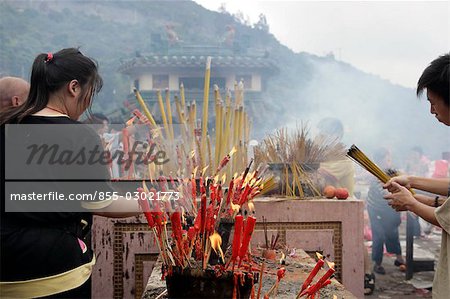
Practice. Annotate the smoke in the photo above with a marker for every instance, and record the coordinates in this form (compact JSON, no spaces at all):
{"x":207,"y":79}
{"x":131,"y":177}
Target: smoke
{"x":374,"y":112}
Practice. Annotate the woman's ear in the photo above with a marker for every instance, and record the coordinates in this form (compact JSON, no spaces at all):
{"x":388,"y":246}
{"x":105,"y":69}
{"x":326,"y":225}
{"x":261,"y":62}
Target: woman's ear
{"x":74,"y":88}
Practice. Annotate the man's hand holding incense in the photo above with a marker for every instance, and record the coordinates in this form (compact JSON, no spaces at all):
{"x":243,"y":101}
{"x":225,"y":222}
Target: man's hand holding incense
{"x":400,"y":197}
{"x":402,"y":180}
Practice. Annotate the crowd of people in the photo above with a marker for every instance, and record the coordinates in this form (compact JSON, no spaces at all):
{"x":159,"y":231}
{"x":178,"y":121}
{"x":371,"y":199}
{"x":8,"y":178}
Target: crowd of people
{"x":62,"y":87}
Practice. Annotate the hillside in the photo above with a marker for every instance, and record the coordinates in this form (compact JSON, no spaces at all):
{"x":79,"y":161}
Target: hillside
{"x":307,"y":88}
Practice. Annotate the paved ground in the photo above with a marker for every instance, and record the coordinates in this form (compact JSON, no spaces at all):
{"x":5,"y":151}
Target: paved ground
{"x":393,"y":284}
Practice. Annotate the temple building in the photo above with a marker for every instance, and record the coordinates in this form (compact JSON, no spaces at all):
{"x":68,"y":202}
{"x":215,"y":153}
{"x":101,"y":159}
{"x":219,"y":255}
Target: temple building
{"x":170,"y":64}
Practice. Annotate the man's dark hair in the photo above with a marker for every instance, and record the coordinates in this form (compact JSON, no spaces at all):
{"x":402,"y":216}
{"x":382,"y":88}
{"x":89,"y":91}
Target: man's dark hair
{"x":436,"y":78}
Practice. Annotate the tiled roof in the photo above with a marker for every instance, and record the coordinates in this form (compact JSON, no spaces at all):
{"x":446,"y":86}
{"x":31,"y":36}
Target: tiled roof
{"x":197,"y":61}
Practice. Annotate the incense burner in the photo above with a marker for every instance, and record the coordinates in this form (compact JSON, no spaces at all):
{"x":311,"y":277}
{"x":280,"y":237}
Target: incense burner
{"x":196,"y":283}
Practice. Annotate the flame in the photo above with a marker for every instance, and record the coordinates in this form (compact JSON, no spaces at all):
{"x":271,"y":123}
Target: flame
{"x":216,"y":179}
{"x":258,"y":182}
{"x":283,"y":257}
{"x":250,"y":176}
{"x":334,"y":297}
{"x":194,"y":173}
{"x":192,"y":155}
{"x":233,"y":150}
{"x":234,"y":207}
{"x":216,"y":241}
{"x":251,"y":206}
{"x":330,"y":264}
{"x":204,"y":170}
{"x":319,"y":256}
{"x":224,"y":178}
{"x":130,"y":121}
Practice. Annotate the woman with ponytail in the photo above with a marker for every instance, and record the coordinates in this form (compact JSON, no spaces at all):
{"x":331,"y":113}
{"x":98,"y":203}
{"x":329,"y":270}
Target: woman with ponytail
{"x":44,"y":243}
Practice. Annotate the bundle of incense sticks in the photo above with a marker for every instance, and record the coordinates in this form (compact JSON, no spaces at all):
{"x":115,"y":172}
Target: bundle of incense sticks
{"x":193,"y":143}
{"x":273,"y":240}
{"x":361,"y":159}
{"x":298,"y":146}
{"x":292,"y":150}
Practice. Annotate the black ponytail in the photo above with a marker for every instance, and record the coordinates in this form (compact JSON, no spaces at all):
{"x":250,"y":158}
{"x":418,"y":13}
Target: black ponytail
{"x":49,"y":73}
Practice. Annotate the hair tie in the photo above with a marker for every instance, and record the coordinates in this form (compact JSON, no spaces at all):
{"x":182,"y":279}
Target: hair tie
{"x":49,"y":57}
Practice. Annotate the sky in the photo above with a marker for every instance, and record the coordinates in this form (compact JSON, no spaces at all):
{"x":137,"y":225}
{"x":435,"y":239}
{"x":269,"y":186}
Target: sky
{"x":394,"y":40}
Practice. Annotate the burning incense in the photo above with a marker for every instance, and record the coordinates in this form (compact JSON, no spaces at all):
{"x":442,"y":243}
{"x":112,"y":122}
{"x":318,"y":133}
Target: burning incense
{"x":321,"y":282}
{"x":313,"y":273}
{"x":238,"y":229}
{"x":146,"y":209}
{"x":248,"y":231}
{"x":225,"y":160}
{"x":216,"y":242}
{"x":274,"y":289}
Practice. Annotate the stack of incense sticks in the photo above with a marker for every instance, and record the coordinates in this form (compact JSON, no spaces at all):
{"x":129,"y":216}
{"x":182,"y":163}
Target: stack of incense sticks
{"x":361,"y":159}
{"x":292,"y":154}
{"x":191,"y":141}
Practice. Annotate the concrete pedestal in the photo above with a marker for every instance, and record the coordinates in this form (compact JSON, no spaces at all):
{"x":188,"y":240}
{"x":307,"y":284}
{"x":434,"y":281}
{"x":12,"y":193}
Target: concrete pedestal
{"x":332,"y":227}
{"x":126,"y":249}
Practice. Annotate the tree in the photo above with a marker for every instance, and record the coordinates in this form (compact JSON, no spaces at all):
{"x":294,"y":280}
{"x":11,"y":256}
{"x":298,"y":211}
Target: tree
{"x":262,"y":23}
{"x":223,"y":8}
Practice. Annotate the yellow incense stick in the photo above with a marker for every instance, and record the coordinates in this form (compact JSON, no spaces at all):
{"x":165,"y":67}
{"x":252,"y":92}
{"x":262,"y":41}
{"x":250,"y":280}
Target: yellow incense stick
{"x":226,"y":135}
{"x":144,"y":107}
{"x":163,"y":113}
{"x":208,"y":141}
{"x":217,"y":132}
{"x":205,"y":104}
{"x":169,"y":114}
{"x":183,"y":99}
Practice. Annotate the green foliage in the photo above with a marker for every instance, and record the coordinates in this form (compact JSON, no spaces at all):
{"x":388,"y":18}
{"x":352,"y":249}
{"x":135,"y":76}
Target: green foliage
{"x":105,"y":30}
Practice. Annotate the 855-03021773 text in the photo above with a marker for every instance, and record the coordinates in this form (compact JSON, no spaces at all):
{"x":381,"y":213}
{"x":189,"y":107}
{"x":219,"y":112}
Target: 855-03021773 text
{"x":96,"y":196}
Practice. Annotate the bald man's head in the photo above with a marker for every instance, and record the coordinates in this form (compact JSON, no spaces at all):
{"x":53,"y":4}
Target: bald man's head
{"x":13,"y":91}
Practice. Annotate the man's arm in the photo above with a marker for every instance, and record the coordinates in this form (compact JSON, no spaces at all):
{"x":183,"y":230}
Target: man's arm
{"x":429,"y":201}
{"x":436,"y":186}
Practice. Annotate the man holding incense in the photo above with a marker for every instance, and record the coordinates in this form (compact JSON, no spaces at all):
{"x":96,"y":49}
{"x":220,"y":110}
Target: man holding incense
{"x":435,"y":79}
